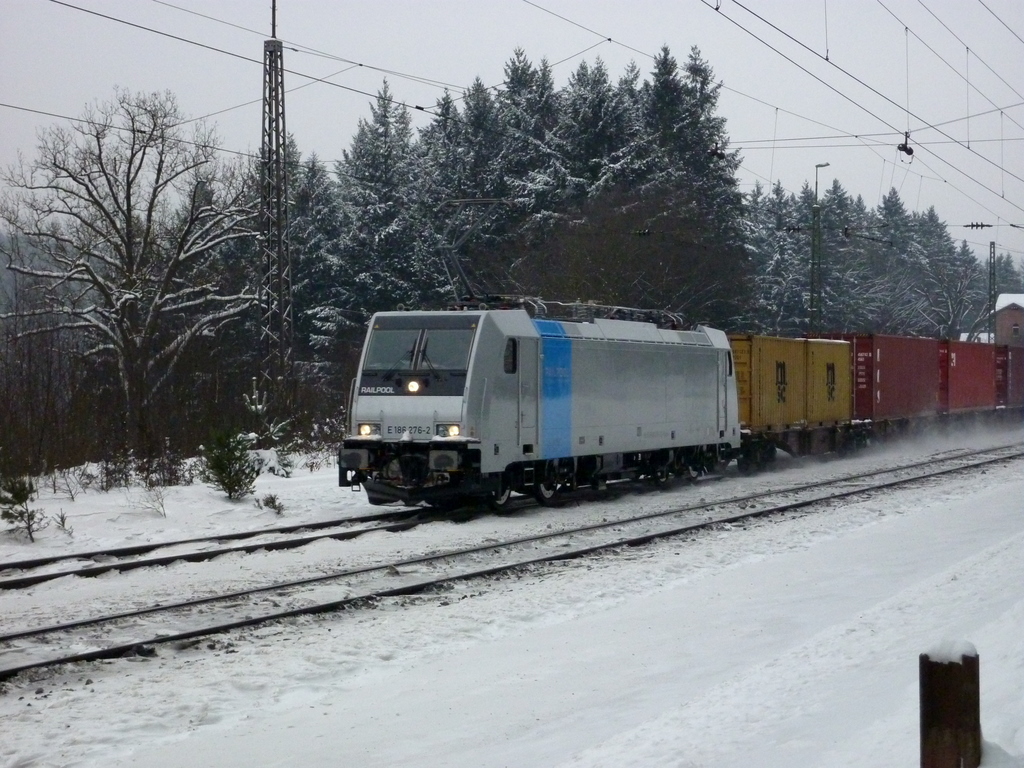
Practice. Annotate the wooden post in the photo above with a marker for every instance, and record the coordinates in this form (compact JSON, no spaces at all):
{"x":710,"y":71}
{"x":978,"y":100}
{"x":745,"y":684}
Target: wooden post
{"x":950,"y":710}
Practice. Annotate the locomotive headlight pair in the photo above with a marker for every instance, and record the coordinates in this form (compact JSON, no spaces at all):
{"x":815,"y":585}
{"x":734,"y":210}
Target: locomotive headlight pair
{"x":448,"y":430}
{"x":366,"y":430}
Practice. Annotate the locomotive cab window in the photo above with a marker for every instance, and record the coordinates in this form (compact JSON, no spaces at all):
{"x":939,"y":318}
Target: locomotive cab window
{"x":511,"y":356}
{"x":419,"y":349}
{"x":391,"y":350}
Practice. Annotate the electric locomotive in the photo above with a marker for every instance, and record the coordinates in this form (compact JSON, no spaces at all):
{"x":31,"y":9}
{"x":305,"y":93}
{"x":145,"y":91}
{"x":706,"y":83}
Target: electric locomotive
{"x":450,"y":406}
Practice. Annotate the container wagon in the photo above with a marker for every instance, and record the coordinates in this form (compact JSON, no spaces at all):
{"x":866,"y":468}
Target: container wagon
{"x":895,"y":380}
{"x":794,"y":394}
{"x":967,"y":377}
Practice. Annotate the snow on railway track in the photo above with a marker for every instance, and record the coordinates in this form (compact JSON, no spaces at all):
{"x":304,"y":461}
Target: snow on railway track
{"x":139,"y":630}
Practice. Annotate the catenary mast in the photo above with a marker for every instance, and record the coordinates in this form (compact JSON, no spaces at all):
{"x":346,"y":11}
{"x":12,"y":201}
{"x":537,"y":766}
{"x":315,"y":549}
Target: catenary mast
{"x":277,"y":332}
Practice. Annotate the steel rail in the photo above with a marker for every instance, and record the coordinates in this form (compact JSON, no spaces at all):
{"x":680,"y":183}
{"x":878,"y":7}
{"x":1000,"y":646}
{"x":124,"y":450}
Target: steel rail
{"x":141,"y":549}
{"x":22,"y":582}
{"x":120,"y":649}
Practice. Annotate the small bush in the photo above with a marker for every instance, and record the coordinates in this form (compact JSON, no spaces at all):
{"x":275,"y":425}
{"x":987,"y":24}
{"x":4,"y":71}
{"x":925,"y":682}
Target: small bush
{"x":228,"y":464}
{"x":61,"y":520}
{"x":154,"y":499}
{"x":15,"y":494}
{"x":168,"y":467}
{"x":270,"y":501}
{"x":116,"y":471}
{"x":71,"y":481}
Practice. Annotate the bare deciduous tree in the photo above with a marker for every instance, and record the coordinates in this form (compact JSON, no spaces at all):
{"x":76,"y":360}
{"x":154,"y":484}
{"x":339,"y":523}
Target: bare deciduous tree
{"x":119,"y":221}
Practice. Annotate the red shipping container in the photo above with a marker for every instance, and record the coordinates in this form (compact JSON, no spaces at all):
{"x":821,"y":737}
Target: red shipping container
{"x":894,"y":377}
{"x":1015,"y":378}
{"x":1002,"y":376}
{"x":967,"y":376}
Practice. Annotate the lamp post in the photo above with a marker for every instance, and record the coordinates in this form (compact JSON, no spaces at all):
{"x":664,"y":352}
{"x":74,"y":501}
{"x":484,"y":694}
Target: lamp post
{"x":815,"y":297}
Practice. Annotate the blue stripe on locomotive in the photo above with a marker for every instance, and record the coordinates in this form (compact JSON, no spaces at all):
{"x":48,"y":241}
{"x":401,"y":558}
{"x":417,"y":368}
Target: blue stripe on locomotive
{"x":555,"y":389}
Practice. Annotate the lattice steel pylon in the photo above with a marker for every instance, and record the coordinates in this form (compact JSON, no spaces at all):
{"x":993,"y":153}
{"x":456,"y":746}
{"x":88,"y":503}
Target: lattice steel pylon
{"x":993,"y":292}
{"x":277,"y":333}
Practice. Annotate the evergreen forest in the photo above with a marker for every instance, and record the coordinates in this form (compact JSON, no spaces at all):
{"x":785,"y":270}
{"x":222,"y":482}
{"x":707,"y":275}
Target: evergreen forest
{"x":129,"y":315}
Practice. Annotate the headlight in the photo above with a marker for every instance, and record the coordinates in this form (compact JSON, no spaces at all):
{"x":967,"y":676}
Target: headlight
{"x":413,"y":386}
{"x":448,"y":430}
{"x":366,"y":430}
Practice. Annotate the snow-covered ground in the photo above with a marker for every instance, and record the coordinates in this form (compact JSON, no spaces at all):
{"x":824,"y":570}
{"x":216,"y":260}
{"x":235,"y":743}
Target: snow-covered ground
{"x":779,"y":643}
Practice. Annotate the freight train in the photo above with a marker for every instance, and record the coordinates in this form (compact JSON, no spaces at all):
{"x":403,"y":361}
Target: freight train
{"x":477,"y":404}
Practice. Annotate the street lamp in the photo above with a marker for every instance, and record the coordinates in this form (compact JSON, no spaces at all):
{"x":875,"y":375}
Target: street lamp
{"x":815,"y":298}
{"x":819,"y":165}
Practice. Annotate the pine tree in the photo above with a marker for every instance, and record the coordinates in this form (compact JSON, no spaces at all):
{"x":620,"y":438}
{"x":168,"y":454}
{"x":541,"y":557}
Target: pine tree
{"x":316,"y":224}
{"x":228,"y":464}
{"x":528,"y":112}
{"x":779,"y":261}
{"x":593,"y":128}
{"x":15,"y":495}
{"x":387,"y":260}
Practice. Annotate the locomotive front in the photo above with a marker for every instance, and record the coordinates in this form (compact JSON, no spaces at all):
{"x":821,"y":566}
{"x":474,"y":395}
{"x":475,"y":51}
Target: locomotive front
{"x":408,"y":438}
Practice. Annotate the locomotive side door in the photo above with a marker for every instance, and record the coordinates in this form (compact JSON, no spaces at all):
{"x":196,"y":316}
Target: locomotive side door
{"x":528,"y":390}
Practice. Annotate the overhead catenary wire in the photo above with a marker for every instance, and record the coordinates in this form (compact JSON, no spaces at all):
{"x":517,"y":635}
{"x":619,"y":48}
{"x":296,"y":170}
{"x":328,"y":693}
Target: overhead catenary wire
{"x":313,"y":79}
{"x":304,"y":49}
{"x":736,"y":24}
{"x":952,"y":68}
{"x":249,"y":59}
{"x":787,"y":58}
{"x":1012,"y":32}
{"x":717,"y":8}
{"x":856,"y":79}
{"x":1002,"y":79}
{"x":236,"y":152}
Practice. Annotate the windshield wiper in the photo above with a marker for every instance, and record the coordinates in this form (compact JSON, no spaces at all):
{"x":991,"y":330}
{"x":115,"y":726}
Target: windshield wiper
{"x":390,"y":372}
{"x":426,"y":361}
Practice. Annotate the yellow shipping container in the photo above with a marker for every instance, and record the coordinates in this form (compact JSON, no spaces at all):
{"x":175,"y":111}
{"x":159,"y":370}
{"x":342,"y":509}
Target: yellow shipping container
{"x":829,"y":382}
{"x":771,"y":381}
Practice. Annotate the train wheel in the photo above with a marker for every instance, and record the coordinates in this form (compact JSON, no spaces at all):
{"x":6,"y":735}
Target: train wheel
{"x":659,"y":476}
{"x":500,"y":498}
{"x":545,"y":492}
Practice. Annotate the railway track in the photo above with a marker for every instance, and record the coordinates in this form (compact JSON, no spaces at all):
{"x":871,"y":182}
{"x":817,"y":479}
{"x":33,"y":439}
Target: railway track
{"x":96,"y":563}
{"x":139,"y":631}
{"x":122,"y":558}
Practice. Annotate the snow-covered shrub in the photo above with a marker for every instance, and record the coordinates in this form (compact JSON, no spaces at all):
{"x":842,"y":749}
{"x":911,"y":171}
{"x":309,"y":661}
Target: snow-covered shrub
{"x":169,"y":467}
{"x":15,"y":494}
{"x":71,"y":481}
{"x":321,"y":444}
{"x":154,"y":499}
{"x":61,"y":520}
{"x":116,"y":471}
{"x":228,"y":464}
{"x":270,"y":501}
{"x":278,"y":461}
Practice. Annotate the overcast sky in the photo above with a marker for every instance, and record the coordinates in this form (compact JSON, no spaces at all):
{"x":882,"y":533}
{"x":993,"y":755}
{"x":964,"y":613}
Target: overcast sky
{"x":788,"y":108}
